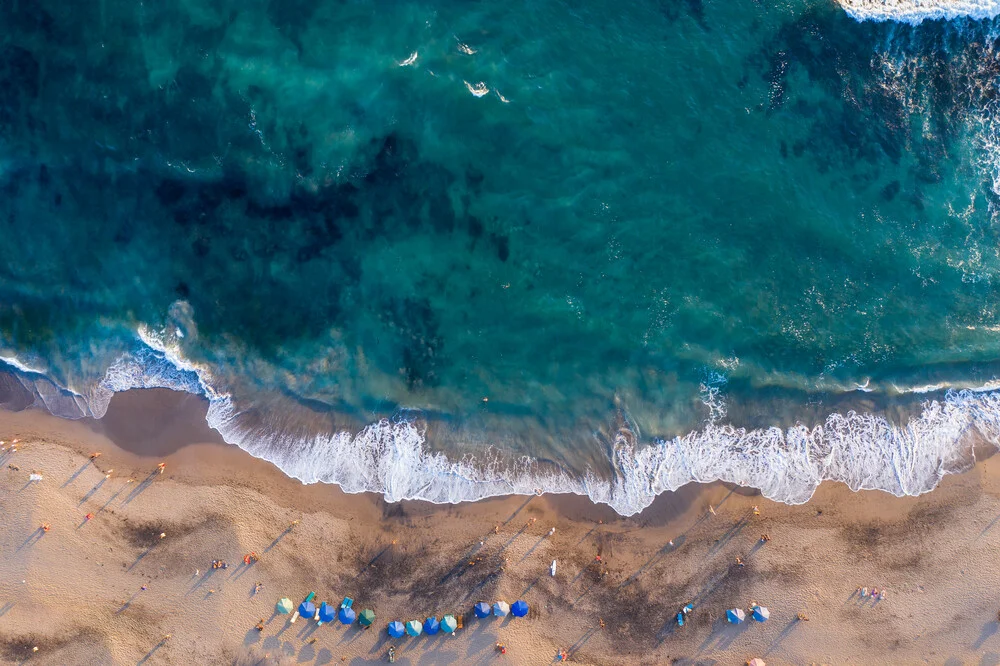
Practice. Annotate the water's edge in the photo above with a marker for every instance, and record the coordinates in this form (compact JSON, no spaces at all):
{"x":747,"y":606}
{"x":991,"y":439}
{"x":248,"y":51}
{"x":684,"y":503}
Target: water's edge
{"x":863,"y":450}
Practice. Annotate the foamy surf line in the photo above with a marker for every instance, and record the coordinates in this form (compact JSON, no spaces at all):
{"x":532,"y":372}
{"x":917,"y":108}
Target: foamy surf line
{"x":916,"y":11}
{"x":864,"y":451}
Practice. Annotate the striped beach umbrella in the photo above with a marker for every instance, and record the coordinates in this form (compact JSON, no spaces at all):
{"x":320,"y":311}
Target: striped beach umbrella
{"x":367,"y":617}
{"x":414,"y":628}
{"x":396,"y":629}
{"x":449,"y":624}
{"x":735,"y":615}
{"x":346,"y":615}
{"x":760,"y":613}
{"x":501,"y":609}
{"x":482,"y":609}
{"x":284,"y":606}
{"x":431,"y":626}
{"x":519,"y":608}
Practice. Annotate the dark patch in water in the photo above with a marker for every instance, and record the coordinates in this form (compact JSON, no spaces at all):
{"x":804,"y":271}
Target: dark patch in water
{"x":890,"y":191}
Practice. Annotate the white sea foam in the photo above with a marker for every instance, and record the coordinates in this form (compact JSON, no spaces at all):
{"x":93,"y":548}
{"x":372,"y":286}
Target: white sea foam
{"x":864,"y":451}
{"x":916,"y":11}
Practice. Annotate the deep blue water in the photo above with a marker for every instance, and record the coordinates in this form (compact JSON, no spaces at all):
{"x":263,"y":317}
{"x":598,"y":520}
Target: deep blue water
{"x":447,"y":250}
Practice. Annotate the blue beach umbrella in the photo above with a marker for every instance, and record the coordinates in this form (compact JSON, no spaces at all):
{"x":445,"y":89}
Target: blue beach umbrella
{"x":414,"y":628}
{"x":346,"y":615}
{"x":307,"y":609}
{"x":519,"y":608}
{"x":482,"y":609}
{"x":760,"y":613}
{"x":449,"y":624}
{"x":326,"y":612}
{"x":431,"y":626}
{"x":396,"y":629}
{"x":501,"y":609}
{"x":735,"y":615}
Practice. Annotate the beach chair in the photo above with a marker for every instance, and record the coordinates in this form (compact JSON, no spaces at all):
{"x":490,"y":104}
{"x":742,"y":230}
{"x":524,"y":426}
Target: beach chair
{"x":458,"y":619}
{"x":347,"y":602}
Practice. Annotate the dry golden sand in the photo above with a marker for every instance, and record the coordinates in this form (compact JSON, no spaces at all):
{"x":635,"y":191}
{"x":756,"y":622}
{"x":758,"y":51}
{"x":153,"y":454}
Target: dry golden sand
{"x":74,"y":592}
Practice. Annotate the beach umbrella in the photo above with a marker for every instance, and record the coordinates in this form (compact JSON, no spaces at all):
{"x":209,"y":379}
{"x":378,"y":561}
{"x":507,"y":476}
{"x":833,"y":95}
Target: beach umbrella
{"x":735,"y":615}
{"x":327,"y":612}
{"x":519,"y":608}
{"x":367,"y":617}
{"x":284,"y":606}
{"x":346,"y":615}
{"x":396,"y":629}
{"x":482,"y":609}
{"x":760,"y":613}
{"x":449,"y":624}
{"x":431,"y":626}
{"x":501,"y":609}
{"x":307,"y":609}
{"x":414,"y":628}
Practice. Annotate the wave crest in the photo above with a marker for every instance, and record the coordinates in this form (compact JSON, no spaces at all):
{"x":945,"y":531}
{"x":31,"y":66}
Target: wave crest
{"x":915,"y":11}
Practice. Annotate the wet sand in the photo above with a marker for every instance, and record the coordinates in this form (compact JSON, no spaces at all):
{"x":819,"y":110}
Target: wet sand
{"x":75,"y":591}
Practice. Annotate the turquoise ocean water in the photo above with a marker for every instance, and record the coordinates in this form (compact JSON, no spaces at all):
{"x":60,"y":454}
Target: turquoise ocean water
{"x":447,"y":250}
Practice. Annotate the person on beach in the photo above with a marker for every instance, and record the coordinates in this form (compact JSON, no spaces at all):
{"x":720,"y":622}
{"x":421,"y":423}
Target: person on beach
{"x":45,"y":527}
{"x":159,"y":468}
{"x":756,"y":511}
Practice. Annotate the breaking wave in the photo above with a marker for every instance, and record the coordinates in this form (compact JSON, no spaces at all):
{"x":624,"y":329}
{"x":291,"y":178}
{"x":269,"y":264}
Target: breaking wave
{"x":391,"y":457}
{"x":915,"y":11}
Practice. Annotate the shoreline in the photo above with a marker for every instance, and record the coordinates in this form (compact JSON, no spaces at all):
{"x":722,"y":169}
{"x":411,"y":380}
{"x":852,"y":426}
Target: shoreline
{"x":216,"y":501}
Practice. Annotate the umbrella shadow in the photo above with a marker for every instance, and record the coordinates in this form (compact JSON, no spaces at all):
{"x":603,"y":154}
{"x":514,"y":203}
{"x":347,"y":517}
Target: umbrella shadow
{"x":281,"y":536}
{"x":532,"y":549}
{"x":723,"y":634}
{"x":201,"y":581}
{"x":785,"y":632}
{"x":32,"y":539}
{"x":76,"y":474}
{"x":530,"y":585}
{"x":308,"y":630}
{"x":513,"y":538}
{"x":124,"y":607}
{"x":93,"y":491}
{"x":990,"y":526}
{"x":149,"y":655}
{"x":989,"y":629}
{"x":138,"y":490}
{"x":732,"y":533}
{"x":242,"y":569}
{"x":575,"y":647}
{"x":114,"y":497}
{"x":654,"y":560}
{"x":139,"y":559}
{"x":518,"y":510}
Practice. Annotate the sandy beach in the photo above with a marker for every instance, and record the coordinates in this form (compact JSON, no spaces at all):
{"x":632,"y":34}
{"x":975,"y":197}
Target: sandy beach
{"x":76,"y":591}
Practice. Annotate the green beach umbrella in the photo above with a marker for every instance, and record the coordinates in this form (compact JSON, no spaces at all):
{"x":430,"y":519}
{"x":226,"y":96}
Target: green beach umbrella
{"x":449,"y":624}
{"x":414,"y":628}
{"x":284,"y":606}
{"x":367,"y":617}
